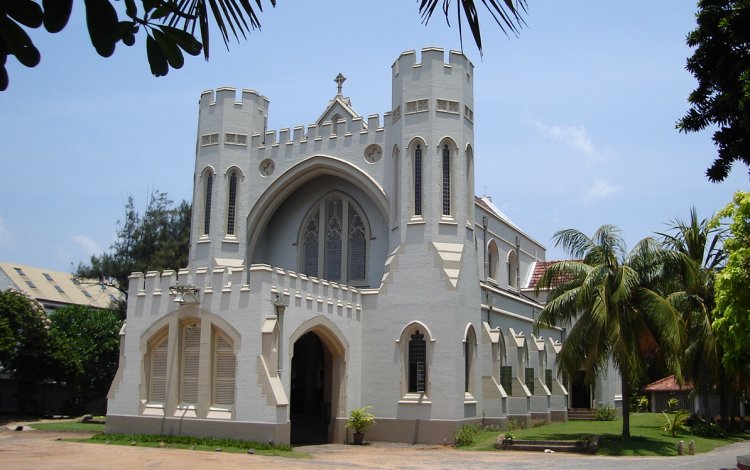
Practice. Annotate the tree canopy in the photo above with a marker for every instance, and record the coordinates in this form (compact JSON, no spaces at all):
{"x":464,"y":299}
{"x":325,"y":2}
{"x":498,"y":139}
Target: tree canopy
{"x":732,"y":313}
{"x":170,"y":26}
{"x":610,"y":301}
{"x":156,"y":240}
{"x":86,"y":342}
{"x":721,"y":64}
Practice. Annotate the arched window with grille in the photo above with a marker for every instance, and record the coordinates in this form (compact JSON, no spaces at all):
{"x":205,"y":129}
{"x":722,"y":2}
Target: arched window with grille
{"x":446,"y":180}
{"x":232,"y":202}
{"x":470,"y":347}
{"x":417,"y":363}
{"x":512,"y":269}
{"x":208,"y":185}
{"x":334,"y":240}
{"x":492,"y":259}
{"x":417,"y":168}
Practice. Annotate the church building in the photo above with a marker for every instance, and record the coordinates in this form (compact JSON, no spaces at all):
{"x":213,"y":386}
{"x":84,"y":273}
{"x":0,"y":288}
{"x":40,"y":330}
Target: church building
{"x":343,"y":264}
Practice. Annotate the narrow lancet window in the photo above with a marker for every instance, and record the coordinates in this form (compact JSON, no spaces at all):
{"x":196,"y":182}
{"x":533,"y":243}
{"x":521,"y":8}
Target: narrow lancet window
{"x":446,"y":180}
{"x":207,"y":204}
{"x":232,"y":203}
{"x":418,"y":181}
{"x":417,"y":363}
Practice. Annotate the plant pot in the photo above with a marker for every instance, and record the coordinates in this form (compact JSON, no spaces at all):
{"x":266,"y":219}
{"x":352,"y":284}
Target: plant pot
{"x":359,"y":438}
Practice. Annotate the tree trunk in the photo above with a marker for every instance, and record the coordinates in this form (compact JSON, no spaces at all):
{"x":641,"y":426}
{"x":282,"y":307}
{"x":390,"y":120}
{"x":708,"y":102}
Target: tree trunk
{"x":723,"y":398}
{"x":624,"y":374}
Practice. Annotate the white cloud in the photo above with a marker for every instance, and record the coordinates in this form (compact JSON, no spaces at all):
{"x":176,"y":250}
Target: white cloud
{"x":574,"y":137}
{"x":87,"y":243}
{"x":600,"y":189}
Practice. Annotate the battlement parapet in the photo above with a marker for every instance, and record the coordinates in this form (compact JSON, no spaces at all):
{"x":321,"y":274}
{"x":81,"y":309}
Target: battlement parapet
{"x":371,"y":131}
{"x":206,"y":284}
{"x":431,"y":57}
{"x":227,"y":97}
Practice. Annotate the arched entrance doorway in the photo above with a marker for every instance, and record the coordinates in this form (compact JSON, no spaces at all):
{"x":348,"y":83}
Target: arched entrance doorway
{"x":314,"y":390}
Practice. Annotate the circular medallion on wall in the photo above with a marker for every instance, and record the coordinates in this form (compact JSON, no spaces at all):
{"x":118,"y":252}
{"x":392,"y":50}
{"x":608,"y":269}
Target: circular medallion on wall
{"x":373,"y":153}
{"x":266,"y":167}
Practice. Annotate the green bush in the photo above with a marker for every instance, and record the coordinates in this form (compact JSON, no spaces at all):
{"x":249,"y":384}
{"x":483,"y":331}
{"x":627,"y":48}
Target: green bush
{"x":640,"y":404}
{"x":513,"y":425}
{"x":466,"y":434}
{"x":705,"y":429}
{"x":672,"y":404}
{"x":189,"y":440}
{"x":606,"y":413}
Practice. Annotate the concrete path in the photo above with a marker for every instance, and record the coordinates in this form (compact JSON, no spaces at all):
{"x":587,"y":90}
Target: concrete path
{"x":43,"y":450}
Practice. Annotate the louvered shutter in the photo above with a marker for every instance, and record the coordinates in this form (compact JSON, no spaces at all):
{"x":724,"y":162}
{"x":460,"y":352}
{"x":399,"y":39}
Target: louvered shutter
{"x":190,"y":360}
{"x":224,"y":371}
{"x":157,"y":391}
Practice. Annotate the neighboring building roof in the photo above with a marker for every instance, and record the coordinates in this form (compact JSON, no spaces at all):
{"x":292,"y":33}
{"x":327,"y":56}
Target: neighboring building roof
{"x":668,"y":384}
{"x":56,"y":289}
{"x":540,"y":267}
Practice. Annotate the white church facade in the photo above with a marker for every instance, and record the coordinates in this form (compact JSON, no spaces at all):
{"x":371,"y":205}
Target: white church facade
{"x":342,"y":264}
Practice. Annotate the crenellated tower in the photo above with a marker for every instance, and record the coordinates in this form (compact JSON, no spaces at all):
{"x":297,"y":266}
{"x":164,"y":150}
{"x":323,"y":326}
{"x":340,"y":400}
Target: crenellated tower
{"x":432,"y":136}
{"x":222,"y":166}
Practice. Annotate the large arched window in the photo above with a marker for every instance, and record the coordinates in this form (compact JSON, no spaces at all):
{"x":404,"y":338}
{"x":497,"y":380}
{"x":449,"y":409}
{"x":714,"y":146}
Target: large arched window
{"x":446,"y":180}
{"x":334,"y":240}
{"x":208,"y":185}
{"x":417,"y":168}
{"x":232,"y":202}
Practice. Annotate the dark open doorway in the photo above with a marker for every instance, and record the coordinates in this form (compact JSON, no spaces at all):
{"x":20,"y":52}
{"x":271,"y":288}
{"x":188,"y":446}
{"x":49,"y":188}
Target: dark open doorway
{"x":580,"y":394}
{"x":310,"y":406}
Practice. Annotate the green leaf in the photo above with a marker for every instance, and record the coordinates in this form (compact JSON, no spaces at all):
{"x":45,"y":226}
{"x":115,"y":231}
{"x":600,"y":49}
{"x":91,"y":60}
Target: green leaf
{"x":18,"y":42}
{"x":185,"y":40}
{"x":170,"y":49}
{"x":3,"y":77}
{"x":56,"y":14}
{"x":156,"y":58}
{"x":101,"y":19}
{"x":26,"y":12}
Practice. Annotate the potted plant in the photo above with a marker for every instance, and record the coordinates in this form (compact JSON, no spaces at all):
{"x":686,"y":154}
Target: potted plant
{"x":359,"y":420}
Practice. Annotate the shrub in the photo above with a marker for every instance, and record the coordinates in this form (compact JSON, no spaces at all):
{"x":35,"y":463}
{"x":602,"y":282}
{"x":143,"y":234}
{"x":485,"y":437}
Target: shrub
{"x":640,"y":404}
{"x":703,"y":428}
{"x":535,"y":423}
{"x":465,"y":435}
{"x":513,"y":425}
{"x":672,"y":404}
{"x":606,"y":413}
{"x":360,"y":419}
{"x":676,"y":424}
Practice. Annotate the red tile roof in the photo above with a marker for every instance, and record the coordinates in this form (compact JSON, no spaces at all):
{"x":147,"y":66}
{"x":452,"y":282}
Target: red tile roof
{"x":540,"y":267}
{"x":668,"y":384}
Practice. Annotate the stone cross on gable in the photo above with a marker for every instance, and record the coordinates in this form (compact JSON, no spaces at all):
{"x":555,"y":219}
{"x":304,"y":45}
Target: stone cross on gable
{"x":340,"y":79}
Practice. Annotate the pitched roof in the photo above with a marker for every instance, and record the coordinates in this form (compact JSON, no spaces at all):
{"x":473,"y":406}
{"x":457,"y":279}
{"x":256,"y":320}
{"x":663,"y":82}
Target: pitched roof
{"x":540,"y":267}
{"x":668,"y":384}
{"x":54,"y":288}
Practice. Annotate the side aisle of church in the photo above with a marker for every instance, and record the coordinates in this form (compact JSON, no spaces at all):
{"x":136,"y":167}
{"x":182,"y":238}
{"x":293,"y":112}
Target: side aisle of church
{"x":342,"y":264}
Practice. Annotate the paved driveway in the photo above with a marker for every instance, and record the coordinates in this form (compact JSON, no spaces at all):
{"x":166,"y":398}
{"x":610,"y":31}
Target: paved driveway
{"x":41,"y":450}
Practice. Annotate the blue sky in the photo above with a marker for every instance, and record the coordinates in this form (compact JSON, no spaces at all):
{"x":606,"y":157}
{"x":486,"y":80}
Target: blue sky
{"x":574,"y":119}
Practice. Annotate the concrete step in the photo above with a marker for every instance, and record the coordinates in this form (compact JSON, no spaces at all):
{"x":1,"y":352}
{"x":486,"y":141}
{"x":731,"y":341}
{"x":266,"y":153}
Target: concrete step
{"x":549,"y":445}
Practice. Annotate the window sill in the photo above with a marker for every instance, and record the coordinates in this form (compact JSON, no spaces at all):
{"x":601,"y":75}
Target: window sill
{"x":186,"y":411}
{"x":415,"y":399}
{"x":204,"y":239}
{"x":447,"y":220}
{"x":153,"y":409}
{"x":469,"y":399}
{"x":416,"y":220}
{"x":230,"y":239}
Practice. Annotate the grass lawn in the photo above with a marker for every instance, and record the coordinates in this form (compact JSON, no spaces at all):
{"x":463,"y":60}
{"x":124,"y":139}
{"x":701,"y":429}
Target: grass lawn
{"x":68,"y":426}
{"x":648,"y":438}
{"x":194,"y":443}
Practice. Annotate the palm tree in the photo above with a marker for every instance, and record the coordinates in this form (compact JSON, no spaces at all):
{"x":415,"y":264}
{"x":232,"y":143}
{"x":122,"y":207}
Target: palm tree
{"x":698,"y":244}
{"x":608,"y":300}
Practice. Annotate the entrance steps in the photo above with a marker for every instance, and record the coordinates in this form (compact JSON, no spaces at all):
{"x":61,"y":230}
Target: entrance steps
{"x":584,"y":414}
